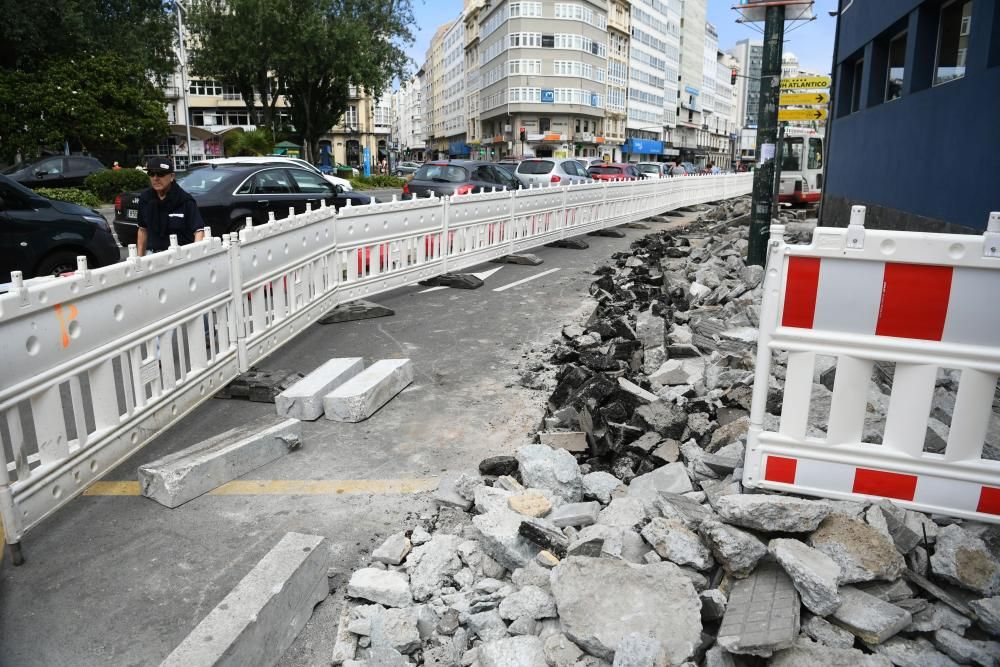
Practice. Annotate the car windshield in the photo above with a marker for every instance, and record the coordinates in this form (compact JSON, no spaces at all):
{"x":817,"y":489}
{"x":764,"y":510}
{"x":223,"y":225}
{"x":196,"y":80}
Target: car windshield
{"x":606,"y":170}
{"x":535,"y":167}
{"x":12,"y":168}
{"x":443,"y":173}
{"x":648,"y":168}
{"x":204,"y":179}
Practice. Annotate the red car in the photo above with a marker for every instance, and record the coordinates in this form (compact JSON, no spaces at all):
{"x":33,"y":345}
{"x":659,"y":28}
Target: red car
{"x":615,"y":172}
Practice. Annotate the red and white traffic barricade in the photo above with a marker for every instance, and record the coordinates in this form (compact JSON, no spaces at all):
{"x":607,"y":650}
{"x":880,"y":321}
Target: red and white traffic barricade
{"x":924,"y":302}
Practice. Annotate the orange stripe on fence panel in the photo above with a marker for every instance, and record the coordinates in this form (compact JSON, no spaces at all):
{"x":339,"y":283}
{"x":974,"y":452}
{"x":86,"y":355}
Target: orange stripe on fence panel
{"x":800,"y":292}
{"x":884,"y":484}
{"x":914,"y":301}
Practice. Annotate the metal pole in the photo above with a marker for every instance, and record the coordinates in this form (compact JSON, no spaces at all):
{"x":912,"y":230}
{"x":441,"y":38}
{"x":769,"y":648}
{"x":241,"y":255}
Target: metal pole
{"x":182,"y":53}
{"x":778,"y":148}
{"x":762,"y":207}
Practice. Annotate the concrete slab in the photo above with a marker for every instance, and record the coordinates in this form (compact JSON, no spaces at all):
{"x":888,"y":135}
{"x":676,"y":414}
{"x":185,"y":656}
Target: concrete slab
{"x":571,"y":441}
{"x":763,"y":613}
{"x":263,"y":615}
{"x":177,"y":478}
{"x":353,"y":311}
{"x":359,"y":398}
{"x":304,"y":399}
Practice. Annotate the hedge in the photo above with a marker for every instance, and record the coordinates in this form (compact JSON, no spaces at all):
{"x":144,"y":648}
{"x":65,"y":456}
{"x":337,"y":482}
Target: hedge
{"x":377,"y":181}
{"x":71,"y":195}
{"x":110,"y":183}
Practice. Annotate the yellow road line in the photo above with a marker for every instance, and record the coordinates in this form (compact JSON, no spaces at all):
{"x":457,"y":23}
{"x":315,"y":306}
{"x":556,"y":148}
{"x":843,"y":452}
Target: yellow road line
{"x":286,"y":487}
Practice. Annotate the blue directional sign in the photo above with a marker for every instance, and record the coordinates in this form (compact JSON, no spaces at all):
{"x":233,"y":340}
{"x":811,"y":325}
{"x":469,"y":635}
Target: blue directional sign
{"x":368,"y":161}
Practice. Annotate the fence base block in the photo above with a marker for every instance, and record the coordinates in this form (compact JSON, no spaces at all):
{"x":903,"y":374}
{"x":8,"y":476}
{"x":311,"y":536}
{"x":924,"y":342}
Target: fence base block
{"x":455,"y":280}
{"x":356,"y":310}
{"x":569,"y":244}
{"x":610,"y":233}
{"x":260,"y":618}
{"x":524,"y":258}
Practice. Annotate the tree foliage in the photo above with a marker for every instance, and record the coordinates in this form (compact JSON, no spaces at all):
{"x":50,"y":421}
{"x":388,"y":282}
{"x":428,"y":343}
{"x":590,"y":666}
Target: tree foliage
{"x":311,"y":51}
{"x":83,"y":72}
{"x":254,"y":142}
{"x":97,"y":103}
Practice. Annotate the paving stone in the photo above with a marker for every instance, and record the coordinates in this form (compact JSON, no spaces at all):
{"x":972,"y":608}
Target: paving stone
{"x":304,"y":399}
{"x":913,"y":653}
{"x":436,"y":562}
{"x":667,"y":419}
{"x":890,"y":591}
{"x":508,"y":483}
{"x":988,"y":613}
{"x":394,"y":550}
{"x":963,"y":559}
{"x":487,"y":625}
{"x":261,"y":617}
{"x":813,"y":573}
{"x":718,"y":657}
{"x":637,"y":391}
{"x":544,"y":534}
{"x":679,"y":372}
{"x":768,"y":513}
{"x":676,"y":506}
{"x":395,"y":629}
{"x":530,"y":503}
{"x":671,"y":478}
{"x":560,"y":651}
{"x":500,"y":538}
{"x":862,"y":552}
{"x":529,"y":601}
{"x":361,"y":396}
{"x":624,"y":544}
{"x":967,"y":651}
{"x":731,"y":432}
{"x":385,"y":587}
{"x":635,"y":650}
{"x":762,"y":615}
{"x":179,"y":477}
{"x":552,"y":469}
{"x":447,"y":492}
{"x":355,"y":310}
{"x":674,"y":542}
{"x":571,"y":441}
{"x":594,"y":595}
{"x":498,"y":465}
{"x":807,"y":652}
{"x":900,"y":531}
{"x":867,"y":617}
{"x":600,"y":485}
{"x":737,"y":550}
{"x":346,"y":643}
{"x":490,"y":498}
{"x":623,"y":513}
{"x":668,"y":452}
{"x":575,"y":514}
{"x":937,"y":615}
{"x":826,"y":632}
{"x":650,"y":329}
{"x":713,"y":604}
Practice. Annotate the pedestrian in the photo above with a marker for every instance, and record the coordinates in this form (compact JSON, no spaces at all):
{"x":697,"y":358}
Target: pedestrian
{"x":116,"y":166}
{"x":165,"y":209}
{"x":714,"y":168}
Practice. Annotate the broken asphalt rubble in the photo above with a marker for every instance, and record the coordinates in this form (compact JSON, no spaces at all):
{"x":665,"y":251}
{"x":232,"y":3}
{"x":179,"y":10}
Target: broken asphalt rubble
{"x":641,"y":548}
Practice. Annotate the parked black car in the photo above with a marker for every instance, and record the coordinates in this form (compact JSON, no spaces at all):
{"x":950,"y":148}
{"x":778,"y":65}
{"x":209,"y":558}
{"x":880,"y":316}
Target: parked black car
{"x":228,"y":194}
{"x":57,"y":171}
{"x":458,"y":177}
{"x":41,"y":236}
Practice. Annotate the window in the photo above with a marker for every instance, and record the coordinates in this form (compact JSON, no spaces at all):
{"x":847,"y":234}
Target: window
{"x":544,"y":124}
{"x":309,"y":182}
{"x":859,"y":68}
{"x":351,"y":117}
{"x":791,"y":154}
{"x":272,"y":182}
{"x":896,"y":71}
{"x":548,"y":41}
{"x":815,"y":156}
{"x":953,"y":41}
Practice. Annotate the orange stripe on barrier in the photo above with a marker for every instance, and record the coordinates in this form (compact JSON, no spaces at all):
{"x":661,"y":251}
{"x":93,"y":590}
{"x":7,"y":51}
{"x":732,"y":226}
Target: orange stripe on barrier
{"x":800,"y":292}
{"x":780,"y":469}
{"x":885,"y":484}
{"x":914,"y":301}
{"x":989,"y":500}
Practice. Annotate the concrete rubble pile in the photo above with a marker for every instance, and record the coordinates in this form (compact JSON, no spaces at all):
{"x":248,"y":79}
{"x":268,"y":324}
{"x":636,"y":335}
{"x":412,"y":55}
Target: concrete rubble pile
{"x":623,"y":537}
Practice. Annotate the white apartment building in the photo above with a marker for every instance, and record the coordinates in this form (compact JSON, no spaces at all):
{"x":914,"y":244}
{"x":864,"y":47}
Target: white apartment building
{"x":717,"y":103}
{"x":449,"y":116}
{"x":750,"y":54}
{"x":654,"y":53}
{"x":691,"y":138}
{"x":408,"y":131}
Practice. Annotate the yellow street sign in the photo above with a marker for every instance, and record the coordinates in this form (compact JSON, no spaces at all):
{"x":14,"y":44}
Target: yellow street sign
{"x":805,"y":82}
{"x":801,"y":114}
{"x":802,"y":99}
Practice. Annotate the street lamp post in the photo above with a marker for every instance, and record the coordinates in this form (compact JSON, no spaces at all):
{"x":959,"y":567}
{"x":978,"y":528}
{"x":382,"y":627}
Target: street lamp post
{"x":182,"y":58}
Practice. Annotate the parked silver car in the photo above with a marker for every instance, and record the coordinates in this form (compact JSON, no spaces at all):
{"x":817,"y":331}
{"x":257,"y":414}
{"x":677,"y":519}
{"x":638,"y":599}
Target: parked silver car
{"x":547,"y":170}
{"x":652,"y":169}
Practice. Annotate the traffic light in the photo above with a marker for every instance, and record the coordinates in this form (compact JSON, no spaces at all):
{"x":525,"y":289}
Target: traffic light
{"x":732,"y":77}
{"x":524,"y":134}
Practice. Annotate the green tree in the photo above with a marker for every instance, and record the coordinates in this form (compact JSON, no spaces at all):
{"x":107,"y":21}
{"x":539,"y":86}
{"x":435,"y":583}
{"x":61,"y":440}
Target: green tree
{"x":254,"y":142}
{"x":97,"y":103}
{"x":311,"y":51}
{"x":235,"y":41}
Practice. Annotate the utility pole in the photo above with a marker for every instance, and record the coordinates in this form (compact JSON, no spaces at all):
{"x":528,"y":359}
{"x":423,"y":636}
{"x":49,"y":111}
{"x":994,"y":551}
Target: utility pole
{"x":762,"y":206}
{"x":182,"y":58}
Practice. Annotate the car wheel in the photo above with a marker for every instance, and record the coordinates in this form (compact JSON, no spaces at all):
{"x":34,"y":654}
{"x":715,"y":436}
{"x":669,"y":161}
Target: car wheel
{"x":60,"y":261}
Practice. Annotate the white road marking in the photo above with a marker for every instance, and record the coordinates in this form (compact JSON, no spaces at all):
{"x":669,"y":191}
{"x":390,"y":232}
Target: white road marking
{"x":432,"y":289}
{"x":524,"y":280}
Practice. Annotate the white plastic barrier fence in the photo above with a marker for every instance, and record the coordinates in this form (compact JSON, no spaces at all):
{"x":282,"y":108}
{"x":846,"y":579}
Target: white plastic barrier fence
{"x":97,"y":364}
{"x":924,"y":302}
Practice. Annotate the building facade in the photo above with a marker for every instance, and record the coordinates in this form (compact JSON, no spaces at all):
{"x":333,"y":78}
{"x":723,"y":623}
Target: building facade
{"x":616,"y":104}
{"x":407,"y":127}
{"x":912,"y":134}
{"x":653,"y":60}
{"x":692,"y":137}
{"x":750,"y":54}
{"x":364,"y":128}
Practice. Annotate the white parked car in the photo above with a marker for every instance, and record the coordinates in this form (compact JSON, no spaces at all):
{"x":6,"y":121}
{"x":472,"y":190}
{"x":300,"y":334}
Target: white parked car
{"x":652,"y":169}
{"x":274,"y":159}
{"x":548,"y":170}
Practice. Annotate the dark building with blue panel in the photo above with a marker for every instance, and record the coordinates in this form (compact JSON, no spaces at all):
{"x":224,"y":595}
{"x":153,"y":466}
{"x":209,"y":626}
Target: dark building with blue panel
{"x":914,"y":132}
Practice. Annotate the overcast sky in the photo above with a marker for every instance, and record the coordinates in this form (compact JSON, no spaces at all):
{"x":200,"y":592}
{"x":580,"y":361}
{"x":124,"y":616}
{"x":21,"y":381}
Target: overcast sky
{"x":811,"y":41}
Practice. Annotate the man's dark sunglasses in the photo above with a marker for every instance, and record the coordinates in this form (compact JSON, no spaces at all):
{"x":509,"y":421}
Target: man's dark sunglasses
{"x":159,"y":173}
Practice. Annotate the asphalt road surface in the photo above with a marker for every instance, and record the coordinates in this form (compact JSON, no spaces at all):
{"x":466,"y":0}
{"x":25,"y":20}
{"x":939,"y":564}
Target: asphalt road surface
{"x":117,"y":579}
